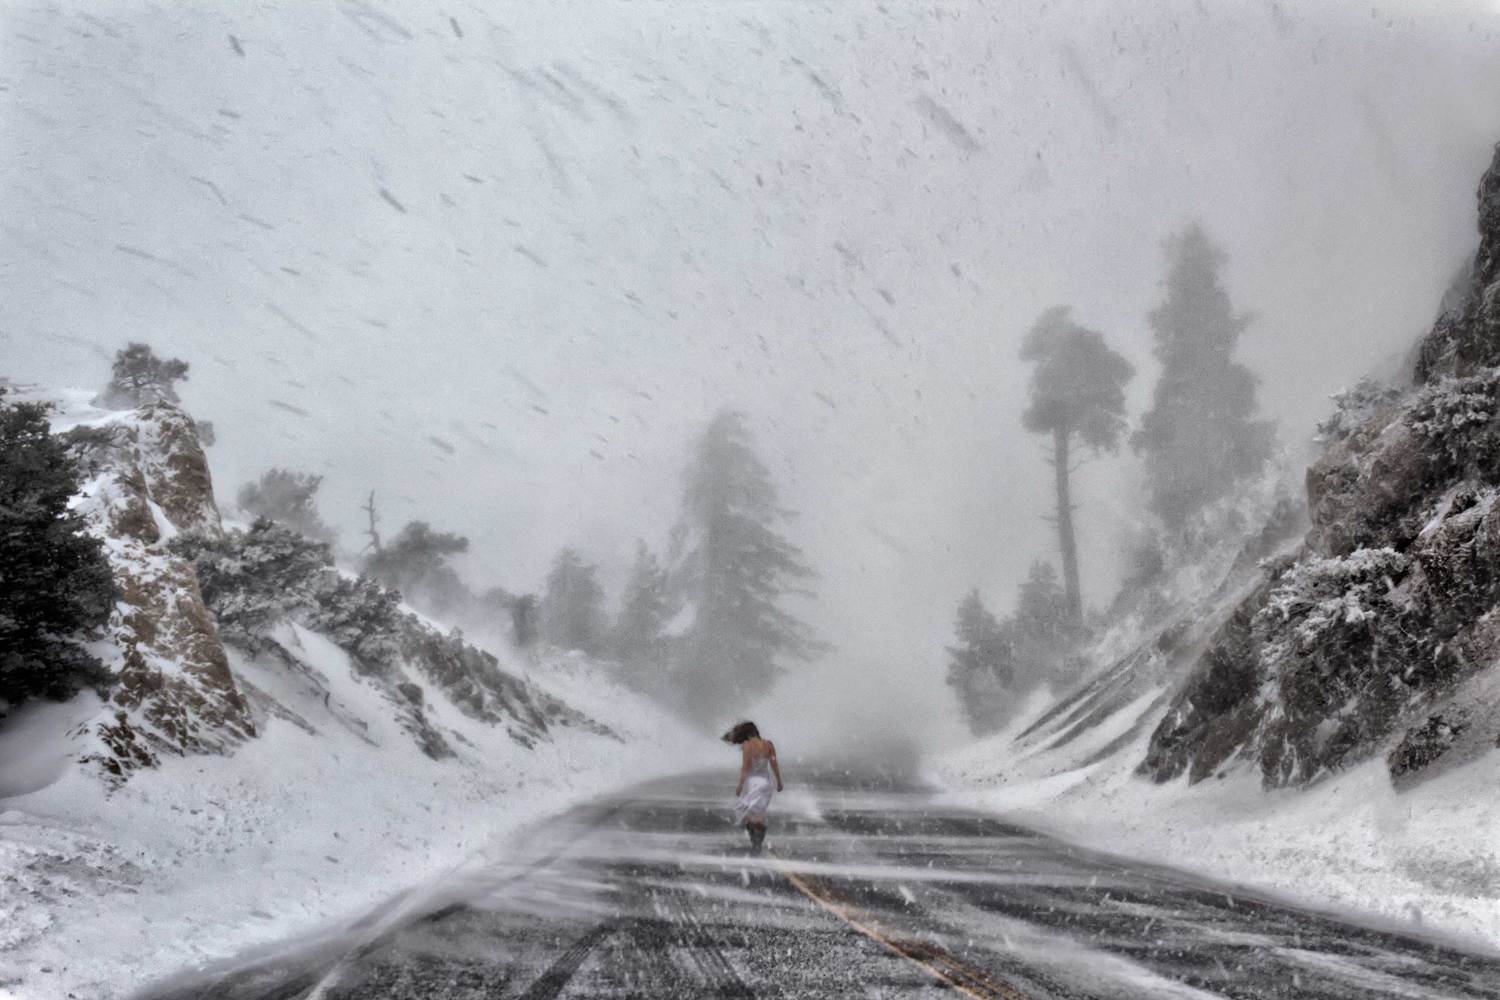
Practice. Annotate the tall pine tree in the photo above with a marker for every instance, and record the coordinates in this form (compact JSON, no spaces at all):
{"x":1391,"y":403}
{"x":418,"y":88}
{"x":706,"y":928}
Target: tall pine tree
{"x":1200,"y":437}
{"x":1077,"y":396}
{"x":734,"y":568}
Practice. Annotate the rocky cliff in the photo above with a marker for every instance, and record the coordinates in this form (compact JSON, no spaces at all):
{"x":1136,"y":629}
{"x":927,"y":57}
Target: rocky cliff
{"x":191,"y":592}
{"x":173,"y":692}
{"x":1380,"y":634}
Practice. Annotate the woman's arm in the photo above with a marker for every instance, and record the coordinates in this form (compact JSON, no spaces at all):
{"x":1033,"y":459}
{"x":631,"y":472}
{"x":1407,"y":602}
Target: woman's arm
{"x":775,"y":765}
{"x":739,"y":789}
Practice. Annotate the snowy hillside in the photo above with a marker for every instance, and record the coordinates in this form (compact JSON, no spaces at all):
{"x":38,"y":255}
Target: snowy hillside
{"x":1349,"y":682}
{"x":283,"y":746}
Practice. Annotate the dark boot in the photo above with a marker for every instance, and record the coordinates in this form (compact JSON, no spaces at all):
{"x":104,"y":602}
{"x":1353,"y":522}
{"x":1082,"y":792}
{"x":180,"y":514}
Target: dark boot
{"x":757,"y":837}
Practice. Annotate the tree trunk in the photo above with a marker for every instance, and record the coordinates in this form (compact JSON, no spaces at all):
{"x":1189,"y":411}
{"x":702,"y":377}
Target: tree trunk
{"x":1061,"y":439}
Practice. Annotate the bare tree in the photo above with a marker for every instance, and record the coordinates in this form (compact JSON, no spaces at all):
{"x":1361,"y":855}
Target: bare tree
{"x":372,"y":519}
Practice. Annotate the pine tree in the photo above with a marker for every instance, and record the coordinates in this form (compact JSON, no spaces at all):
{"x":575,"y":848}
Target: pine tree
{"x":733,"y":568}
{"x":288,"y":498}
{"x":1044,"y":633}
{"x":253,"y":579}
{"x":1199,"y":438}
{"x":572,"y":612}
{"x":645,"y":609}
{"x":55,"y":583}
{"x":139,"y":376}
{"x":979,"y":666}
{"x":415,"y":563}
{"x":1077,"y":392}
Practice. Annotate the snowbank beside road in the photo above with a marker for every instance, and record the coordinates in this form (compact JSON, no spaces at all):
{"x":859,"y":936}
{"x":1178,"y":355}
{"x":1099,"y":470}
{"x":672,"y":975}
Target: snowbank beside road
{"x":1427,"y":858}
{"x":329,"y":812}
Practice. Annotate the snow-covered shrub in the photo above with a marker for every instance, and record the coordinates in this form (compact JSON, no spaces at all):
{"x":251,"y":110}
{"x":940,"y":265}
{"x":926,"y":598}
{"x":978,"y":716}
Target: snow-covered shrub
{"x":90,"y":447}
{"x":256,"y":578}
{"x":1352,"y":408}
{"x":1341,"y":655}
{"x":363,"y":618}
{"x":1319,"y":597}
{"x":1455,"y":419}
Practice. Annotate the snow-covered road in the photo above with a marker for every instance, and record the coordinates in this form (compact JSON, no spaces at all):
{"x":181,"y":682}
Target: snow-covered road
{"x":869,"y":889}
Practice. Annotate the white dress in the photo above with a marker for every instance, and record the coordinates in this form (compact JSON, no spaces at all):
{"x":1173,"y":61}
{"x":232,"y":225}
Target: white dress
{"x":760,"y":785}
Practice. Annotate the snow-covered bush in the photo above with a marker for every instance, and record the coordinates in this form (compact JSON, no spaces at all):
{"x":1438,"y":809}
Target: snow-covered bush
{"x":1318,"y":597}
{"x":362,"y":617}
{"x":1352,"y":408}
{"x":1455,"y":419}
{"x":1341,"y":655}
{"x":254,"y":579}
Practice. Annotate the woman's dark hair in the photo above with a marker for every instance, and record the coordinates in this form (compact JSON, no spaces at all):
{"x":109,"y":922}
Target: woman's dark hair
{"x":742,"y":732}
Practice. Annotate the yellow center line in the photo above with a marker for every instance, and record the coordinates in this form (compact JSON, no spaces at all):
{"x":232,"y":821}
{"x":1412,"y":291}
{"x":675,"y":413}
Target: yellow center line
{"x":868,"y":927}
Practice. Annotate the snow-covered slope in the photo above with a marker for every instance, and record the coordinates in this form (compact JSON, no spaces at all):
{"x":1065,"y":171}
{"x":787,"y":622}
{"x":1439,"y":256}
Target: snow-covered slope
{"x":284,"y":747}
{"x":1327,"y":722}
{"x":1426,"y":859}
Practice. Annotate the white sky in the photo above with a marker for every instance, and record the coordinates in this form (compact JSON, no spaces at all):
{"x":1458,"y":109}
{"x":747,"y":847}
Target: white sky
{"x":602,"y":221}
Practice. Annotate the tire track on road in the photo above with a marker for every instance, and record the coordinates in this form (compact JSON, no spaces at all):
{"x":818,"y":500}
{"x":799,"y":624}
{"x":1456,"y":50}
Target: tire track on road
{"x":552,"y":982}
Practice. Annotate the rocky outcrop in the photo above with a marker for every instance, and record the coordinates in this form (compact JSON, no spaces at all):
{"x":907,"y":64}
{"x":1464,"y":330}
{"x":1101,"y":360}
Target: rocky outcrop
{"x":173,"y":692}
{"x":1361,"y":643}
{"x":1466,"y":339}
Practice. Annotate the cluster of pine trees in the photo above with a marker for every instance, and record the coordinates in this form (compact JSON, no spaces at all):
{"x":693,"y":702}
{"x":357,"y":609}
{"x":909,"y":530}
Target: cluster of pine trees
{"x":1198,"y":441}
{"x":705,"y":622}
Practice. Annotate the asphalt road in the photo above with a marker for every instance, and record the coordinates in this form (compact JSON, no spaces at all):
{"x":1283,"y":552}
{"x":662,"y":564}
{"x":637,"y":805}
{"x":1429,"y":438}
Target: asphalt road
{"x":867,"y":890}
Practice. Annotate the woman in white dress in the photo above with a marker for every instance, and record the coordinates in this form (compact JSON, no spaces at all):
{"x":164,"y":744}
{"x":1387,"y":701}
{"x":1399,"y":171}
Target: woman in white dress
{"x":758,"y":769}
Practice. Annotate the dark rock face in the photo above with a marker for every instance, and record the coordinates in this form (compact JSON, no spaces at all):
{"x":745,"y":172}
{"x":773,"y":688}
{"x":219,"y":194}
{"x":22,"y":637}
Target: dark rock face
{"x":1467,"y":338}
{"x":1343,"y":655}
{"x":1359,"y":490}
{"x":1425,"y":743}
{"x":1213,"y":715}
{"x":1386,"y":614}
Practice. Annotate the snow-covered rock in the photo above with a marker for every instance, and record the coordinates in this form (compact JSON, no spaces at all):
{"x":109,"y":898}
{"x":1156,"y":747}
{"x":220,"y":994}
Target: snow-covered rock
{"x":173,"y":692}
